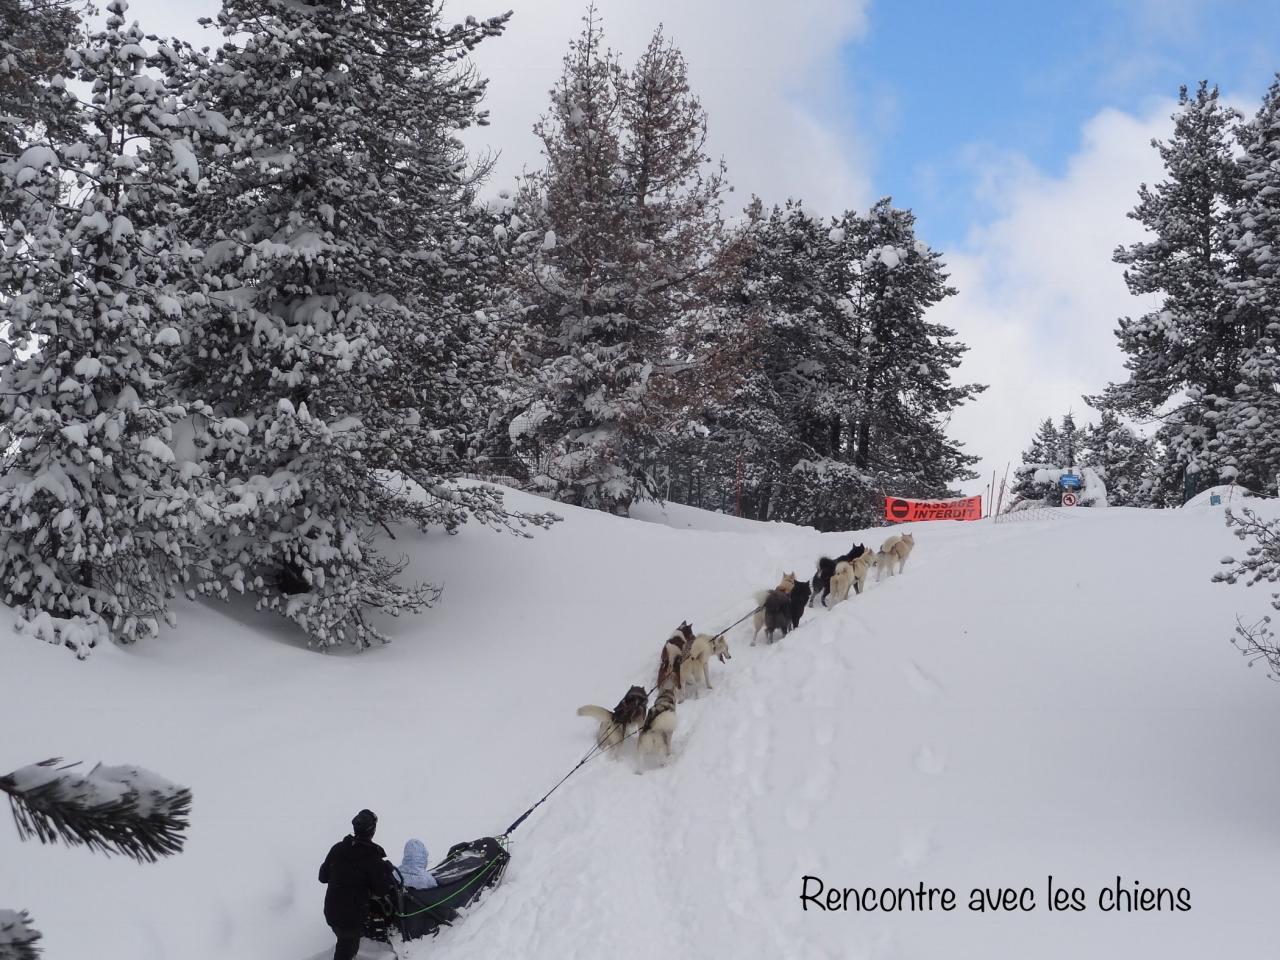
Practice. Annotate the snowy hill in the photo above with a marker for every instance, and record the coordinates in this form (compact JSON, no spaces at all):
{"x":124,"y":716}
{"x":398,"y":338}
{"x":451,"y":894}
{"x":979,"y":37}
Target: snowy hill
{"x":1028,"y":698}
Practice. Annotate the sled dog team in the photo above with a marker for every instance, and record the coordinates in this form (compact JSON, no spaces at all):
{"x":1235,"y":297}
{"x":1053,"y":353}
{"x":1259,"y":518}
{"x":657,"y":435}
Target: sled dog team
{"x":686,"y":657}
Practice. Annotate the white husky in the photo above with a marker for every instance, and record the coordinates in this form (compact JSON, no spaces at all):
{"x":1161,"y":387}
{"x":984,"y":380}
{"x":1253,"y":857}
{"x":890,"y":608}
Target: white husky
{"x":885,"y":557}
{"x":902,"y":549}
{"x":694,"y":665}
{"x":850,"y":574}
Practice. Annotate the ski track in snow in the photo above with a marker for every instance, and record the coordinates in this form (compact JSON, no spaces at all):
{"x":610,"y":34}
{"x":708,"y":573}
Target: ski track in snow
{"x":814,"y":668}
{"x":919,"y":681}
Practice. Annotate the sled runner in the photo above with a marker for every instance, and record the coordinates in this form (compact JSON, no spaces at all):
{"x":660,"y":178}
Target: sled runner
{"x":462,"y":876}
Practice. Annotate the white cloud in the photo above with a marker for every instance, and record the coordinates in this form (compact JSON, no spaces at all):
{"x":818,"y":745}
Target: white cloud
{"x":770,"y":81}
{"x":1039,"y":295}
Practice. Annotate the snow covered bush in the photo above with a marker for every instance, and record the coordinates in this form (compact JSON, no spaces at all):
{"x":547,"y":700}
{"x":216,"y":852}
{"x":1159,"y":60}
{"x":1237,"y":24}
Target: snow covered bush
{"x":1260,"y":564}
{"x":1115,"y":464}
{"x":99,"y":523}
{"x":830,"y":495}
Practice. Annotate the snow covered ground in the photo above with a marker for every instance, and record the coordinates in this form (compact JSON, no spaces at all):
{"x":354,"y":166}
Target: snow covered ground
{"x":1226,"y":495}
{"x":1047,"y":697}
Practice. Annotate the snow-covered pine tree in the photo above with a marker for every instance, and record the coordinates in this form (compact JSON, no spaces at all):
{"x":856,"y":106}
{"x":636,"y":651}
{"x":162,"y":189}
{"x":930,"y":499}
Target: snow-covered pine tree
{"x":623,"y":244}
{"x":114,"y":810}
{"x":1247,"y":440}
{"x":1054,"y":449}
{"x":34,"y":35}
{"x":1187,"y":351}
{"x":789,"y":407}
{"x":449,"y":262}
{"x":583,"y":363}
{"x":453,"y":367}
{"x":1123,"y":458}
{"x":1041,"y":454}
{"x":1071,"y":442}
{"x":851,"y":386}
{"x":99,"y":523}
{"x":676,"y":193}
{"x":906,"y":394}
{"x":334,"y":218}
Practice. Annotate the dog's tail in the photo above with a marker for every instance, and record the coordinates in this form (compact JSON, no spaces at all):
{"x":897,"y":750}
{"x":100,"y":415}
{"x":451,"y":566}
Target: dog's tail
{"x":760,"y":596}
{"x":596,"y":713}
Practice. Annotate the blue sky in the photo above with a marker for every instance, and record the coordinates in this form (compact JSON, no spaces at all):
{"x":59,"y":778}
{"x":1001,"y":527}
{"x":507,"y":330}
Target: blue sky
{"x":943,"y":86}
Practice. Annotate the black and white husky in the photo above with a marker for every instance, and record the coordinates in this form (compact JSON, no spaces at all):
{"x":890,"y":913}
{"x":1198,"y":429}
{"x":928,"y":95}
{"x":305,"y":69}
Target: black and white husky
{"x":827,"y":567}
{"x":772,"y":615}
{"x":615,"y":724}
{"x":659,"y":725}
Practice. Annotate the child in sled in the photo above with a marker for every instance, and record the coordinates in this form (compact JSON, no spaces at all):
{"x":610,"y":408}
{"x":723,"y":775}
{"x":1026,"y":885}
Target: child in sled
{"x":413,"y":868}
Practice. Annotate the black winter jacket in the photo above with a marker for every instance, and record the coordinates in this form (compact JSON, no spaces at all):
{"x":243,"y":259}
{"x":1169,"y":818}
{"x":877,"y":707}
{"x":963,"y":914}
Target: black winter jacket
{"x":355,"y":870}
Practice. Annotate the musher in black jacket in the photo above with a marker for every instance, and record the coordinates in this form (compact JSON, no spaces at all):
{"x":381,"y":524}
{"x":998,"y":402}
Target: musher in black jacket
{"x":355,"y":870}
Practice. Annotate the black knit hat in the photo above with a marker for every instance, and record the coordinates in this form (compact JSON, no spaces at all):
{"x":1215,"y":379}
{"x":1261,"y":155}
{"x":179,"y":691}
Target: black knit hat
{"x":364,"y":823}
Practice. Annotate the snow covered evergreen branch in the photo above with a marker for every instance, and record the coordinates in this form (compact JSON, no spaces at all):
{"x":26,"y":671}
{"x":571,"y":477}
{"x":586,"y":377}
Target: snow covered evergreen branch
{"x":1256,"y":641}
{"x":122,"y":810}
{"x":17,"y":936}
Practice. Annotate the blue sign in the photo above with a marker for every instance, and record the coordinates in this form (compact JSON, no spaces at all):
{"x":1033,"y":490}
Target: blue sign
{"x":1069,"y":481}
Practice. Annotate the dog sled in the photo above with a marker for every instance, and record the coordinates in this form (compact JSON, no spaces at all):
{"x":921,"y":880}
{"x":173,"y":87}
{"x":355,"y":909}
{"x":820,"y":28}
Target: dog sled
{"x":466,"y":872}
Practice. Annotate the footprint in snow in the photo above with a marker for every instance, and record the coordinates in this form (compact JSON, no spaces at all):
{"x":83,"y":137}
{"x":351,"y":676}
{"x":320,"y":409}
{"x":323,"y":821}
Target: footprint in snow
{"x":920,"y":681}
{"x":818,"y":785}
{"x":917,"y":846}
{"x":930,"y":762}
{"x":797,"y":816}
{"x":824,"y":733}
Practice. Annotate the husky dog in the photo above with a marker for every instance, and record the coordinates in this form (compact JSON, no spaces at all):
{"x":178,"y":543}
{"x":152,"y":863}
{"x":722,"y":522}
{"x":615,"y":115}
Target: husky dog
{"x":672,"y":651}
{"x":827,"y":567}
{"x":629,"y":712}
{"x":821,"y":582}
{"x":850,"y":574}
{"x":659,"y":725}
{"x":800,"y":595}
{"x":886,"y":556}
{"x":694,"y":664}
{"x":774,"y":614}
{"x":902,"y":549}
{"x":787,"y":584}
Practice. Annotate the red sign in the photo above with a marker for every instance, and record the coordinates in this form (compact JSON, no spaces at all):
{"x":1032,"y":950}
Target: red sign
{"x":900,"y":510}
